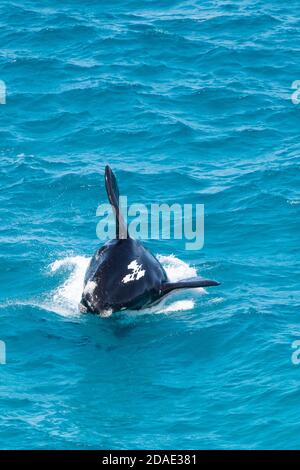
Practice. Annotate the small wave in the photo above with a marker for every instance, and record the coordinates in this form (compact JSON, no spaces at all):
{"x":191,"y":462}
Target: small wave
{"x":65,"y":298}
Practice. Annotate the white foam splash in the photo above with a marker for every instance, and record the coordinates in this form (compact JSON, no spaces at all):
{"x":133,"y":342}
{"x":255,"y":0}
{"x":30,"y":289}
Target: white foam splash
{"x":65,"y":298}
{"x":175,"y":268}
{"x":178,"y":306}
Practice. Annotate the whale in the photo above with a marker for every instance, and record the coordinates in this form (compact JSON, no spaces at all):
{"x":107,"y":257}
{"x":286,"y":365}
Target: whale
{"x":123,"y":273}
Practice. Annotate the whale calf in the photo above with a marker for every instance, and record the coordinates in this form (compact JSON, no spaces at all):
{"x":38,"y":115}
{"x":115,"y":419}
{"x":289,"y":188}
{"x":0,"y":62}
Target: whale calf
{"x":123,"y":274}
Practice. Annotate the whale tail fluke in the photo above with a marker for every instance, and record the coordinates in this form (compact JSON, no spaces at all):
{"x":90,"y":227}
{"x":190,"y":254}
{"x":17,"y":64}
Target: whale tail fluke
{"x":188,"y":283}
{"x":113,"y":194}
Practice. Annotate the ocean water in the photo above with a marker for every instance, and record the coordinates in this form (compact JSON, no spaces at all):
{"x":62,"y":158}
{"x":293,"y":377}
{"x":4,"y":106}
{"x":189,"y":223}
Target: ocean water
{"x":189,"y":102}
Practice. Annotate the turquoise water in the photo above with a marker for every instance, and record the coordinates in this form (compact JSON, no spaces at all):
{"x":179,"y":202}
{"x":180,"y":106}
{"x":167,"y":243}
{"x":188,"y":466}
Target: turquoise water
{"x":189,"y":102}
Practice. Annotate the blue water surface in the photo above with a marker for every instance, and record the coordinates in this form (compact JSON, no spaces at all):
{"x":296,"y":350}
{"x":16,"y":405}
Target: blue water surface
{"x":189,"y":102}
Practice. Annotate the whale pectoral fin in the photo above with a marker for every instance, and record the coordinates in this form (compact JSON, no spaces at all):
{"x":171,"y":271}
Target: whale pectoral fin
{"x":112,"y":190}
{"x":188,"y":283}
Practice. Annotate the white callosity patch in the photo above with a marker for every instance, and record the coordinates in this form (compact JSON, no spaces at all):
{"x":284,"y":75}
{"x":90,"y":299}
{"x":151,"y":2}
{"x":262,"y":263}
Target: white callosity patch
{"x":90,"y":287}
{"x":136,"y":274}
{"x":106,"y":313}
{"x":82,"y":308}
{"x":89,"y":291}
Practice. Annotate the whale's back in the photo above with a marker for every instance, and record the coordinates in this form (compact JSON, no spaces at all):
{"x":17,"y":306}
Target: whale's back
{"x":122,"y":274}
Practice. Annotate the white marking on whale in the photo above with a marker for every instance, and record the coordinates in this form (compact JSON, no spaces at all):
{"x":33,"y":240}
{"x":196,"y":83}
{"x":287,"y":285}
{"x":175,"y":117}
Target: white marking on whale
{"x":90,"y":287}
{"x":106,"y":313}
{"x":137,"y":272}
